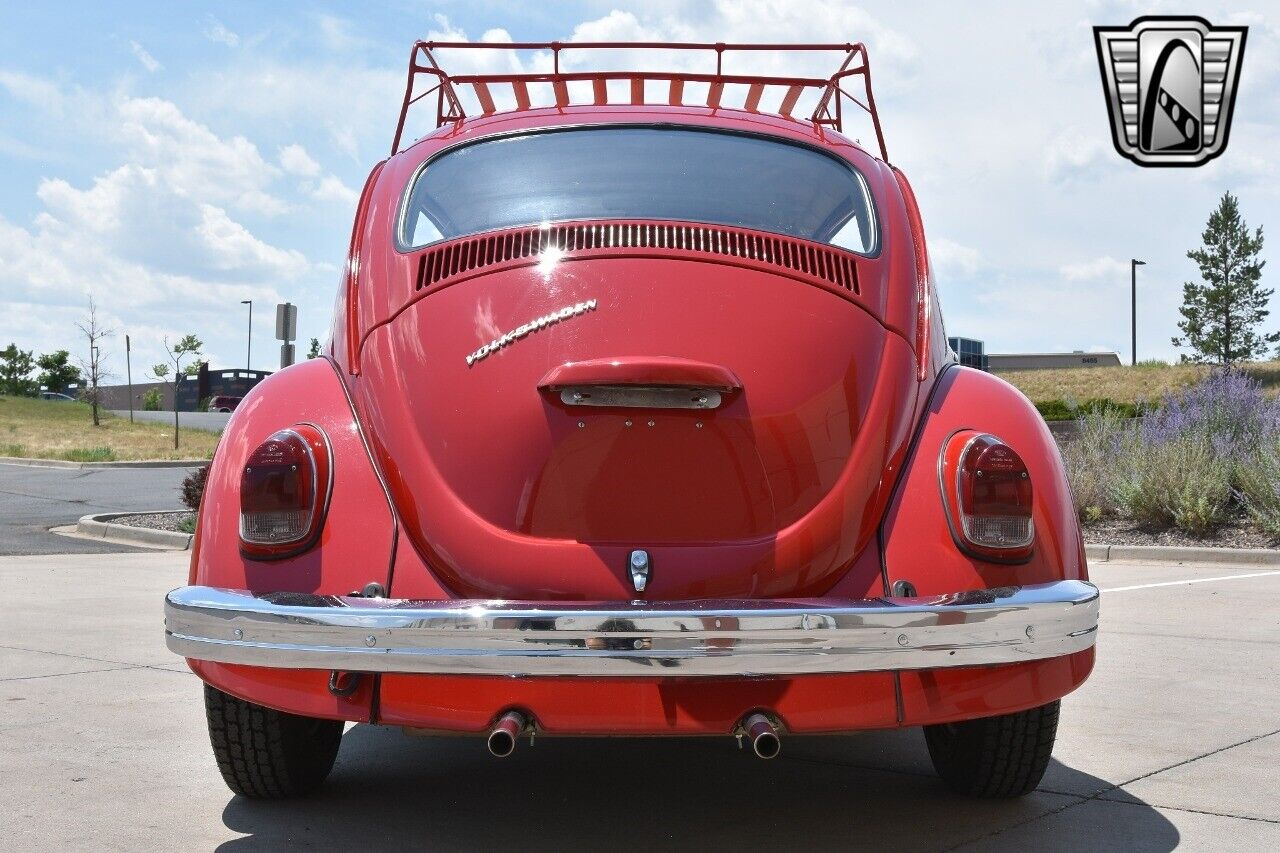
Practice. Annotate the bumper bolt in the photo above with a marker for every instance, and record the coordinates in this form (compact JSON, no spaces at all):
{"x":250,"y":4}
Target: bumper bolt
{"x":370,"y":641}
{"x":238,"y":634}
{"x":902,"y":640}
{"x":1031,"y":632}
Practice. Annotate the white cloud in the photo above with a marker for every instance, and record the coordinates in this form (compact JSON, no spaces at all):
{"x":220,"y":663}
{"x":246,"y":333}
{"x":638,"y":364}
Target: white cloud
{"x":36,"y":91}
{"x":331,"y":188}
{"x":1097,"y":269}
{"x":295,"y":160}
{"x":216,"y":32}
{"x":148,"y":61}
{"x":336,"y":33}
{"x":1077,"y":155}
{"x":232,"y":247}
{"x":193,"y":160}
{"x":952,"y":260}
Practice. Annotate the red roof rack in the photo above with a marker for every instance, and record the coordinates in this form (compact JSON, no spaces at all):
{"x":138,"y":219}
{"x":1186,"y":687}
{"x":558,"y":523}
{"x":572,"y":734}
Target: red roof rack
{"x":828,"y":112}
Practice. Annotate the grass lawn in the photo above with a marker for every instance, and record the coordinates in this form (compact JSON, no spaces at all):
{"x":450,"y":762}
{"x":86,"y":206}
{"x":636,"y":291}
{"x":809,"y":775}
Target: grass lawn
{"x":1126,"y":384}
{"x":46,"y":429}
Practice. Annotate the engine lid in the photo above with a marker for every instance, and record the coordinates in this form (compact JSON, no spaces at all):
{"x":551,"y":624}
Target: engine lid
{"x":539,"y":424}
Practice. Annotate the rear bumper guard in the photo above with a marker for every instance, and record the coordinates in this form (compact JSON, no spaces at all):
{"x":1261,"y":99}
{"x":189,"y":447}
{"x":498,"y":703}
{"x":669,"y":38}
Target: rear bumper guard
{"x":635,"y":639}
{"x":691,"y":638}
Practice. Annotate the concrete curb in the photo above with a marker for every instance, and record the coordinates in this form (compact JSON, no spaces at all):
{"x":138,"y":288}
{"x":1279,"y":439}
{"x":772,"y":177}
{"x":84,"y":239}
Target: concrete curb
{"x":101,"y":527}
{"x":62,"y":463}
{"x":1180,"y":554}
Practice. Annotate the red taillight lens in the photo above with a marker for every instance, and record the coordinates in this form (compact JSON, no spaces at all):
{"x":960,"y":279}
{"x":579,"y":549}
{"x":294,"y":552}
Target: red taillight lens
{"x":988,"y":495}
{"x":284,"y":489}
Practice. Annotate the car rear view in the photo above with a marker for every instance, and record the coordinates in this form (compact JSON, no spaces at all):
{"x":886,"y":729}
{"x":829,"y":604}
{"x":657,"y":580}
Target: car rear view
{"x":637,"y":418}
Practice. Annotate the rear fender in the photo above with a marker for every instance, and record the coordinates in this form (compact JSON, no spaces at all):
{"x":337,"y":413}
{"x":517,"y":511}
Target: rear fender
{"x":917,"y":541}
{"x":356,"y":546}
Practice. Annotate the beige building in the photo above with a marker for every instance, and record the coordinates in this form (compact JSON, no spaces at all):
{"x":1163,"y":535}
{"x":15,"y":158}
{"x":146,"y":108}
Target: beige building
{"x":1004,"y":362}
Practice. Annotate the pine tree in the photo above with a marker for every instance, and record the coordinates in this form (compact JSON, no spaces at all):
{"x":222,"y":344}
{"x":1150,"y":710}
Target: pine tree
{"x":1221,"y":314}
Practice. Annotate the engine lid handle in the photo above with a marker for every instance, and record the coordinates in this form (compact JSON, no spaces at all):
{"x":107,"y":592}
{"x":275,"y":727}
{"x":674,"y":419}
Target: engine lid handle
{"x":653,"y":371}
{"x":650,"y":382}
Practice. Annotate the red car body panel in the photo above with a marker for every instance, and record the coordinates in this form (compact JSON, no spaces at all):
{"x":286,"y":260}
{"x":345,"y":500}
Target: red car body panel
{"x":817,"y":476}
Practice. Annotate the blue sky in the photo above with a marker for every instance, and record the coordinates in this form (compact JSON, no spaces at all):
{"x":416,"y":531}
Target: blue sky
{"x":173,"y":159}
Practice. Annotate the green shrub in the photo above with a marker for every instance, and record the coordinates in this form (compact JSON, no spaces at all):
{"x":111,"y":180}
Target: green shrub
{"x":1181,"y":484}
{"x":1066,"y":410}
{"x":90,"y":454}
{"x":12,"y":450}
{"x":1102,"y":438}
{"x":1258,"y":488}
{"x":151,"y":400}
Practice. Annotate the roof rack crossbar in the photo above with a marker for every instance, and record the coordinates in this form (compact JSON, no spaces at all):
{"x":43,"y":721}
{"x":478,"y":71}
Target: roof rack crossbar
{"x":829,"y":111}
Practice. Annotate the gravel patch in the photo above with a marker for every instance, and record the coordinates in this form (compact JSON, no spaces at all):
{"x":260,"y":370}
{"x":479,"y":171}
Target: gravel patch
{"x":1237,"y":534}
{"x":172,"y":521}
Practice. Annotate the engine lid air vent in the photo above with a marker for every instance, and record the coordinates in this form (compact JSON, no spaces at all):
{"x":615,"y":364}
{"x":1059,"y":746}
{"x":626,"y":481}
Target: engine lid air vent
{"x":462,"y":257}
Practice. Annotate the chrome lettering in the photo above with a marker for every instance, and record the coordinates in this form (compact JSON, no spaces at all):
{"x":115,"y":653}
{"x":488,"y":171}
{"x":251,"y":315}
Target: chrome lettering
{"x":532,"y":326}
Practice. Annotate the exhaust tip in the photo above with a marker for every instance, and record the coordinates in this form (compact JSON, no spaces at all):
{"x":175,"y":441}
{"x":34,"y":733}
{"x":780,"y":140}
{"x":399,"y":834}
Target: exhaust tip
{"x":502,"y":739}
{"x":767,"y":745}
{"x":763,"y":735}
{"x":501,"y":744}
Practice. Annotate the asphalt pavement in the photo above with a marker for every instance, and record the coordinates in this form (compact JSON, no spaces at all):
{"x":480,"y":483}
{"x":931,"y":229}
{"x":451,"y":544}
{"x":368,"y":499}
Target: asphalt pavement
{"x":1174,"y":742}
{"x":33,"y":499}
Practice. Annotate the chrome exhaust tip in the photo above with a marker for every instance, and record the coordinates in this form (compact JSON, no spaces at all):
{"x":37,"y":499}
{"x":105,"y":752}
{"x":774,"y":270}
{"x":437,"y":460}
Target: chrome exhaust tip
{"x":502,"y":738}
{"x":763,"y":735}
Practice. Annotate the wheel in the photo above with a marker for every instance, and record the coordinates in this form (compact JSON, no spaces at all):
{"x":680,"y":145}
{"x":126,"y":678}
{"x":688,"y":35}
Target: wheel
{"x":994,"y":757}
{"x":268,"y":754}
{"x":225,"y":410}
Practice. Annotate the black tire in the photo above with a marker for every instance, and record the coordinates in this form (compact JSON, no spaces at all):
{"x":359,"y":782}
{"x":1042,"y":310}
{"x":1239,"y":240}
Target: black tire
{"x":995,"y":757}
{"x":268,"y":754}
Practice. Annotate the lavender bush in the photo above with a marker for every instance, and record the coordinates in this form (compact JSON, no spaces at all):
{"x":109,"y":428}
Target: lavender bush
{"x":1227,"y":408}
{"x":1102,"y":437}
{"x":1258,"y":489}
{"x":1198,"y":457}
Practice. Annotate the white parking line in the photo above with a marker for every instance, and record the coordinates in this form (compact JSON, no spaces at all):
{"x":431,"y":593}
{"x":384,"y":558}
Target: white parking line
{"x":1191,"y":580}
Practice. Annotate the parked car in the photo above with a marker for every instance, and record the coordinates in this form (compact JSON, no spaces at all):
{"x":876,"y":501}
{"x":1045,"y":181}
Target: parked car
{"x":223,"y":403}
{"x":57,"y":397}
{"x":639,"y":420}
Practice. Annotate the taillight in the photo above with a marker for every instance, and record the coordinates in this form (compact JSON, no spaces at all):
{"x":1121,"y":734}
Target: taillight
{"x":284,"y":490}
{"x":987,"y":492}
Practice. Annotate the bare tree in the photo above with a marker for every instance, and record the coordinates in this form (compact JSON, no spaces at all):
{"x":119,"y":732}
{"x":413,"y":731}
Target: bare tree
{"x":95,"y":334}
{"x":187,"y":346}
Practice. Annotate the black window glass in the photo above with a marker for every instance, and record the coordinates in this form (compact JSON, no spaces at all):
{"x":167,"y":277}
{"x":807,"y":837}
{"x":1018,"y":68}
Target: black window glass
{"x":640,"y":173}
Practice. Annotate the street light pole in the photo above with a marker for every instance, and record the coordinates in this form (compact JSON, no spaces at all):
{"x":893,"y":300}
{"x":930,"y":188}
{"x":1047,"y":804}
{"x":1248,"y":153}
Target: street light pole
{"x":1134,"y":263}
{"x":248,"y":356}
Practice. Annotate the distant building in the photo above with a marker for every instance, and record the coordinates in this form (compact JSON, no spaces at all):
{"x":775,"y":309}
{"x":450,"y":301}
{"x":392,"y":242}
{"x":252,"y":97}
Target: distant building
{"x":969,"y":351}
{"x":1010,"y":361}
{"x":232,"y":382}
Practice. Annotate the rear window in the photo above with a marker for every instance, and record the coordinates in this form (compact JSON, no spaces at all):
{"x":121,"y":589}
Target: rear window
{"x":640,"y":173}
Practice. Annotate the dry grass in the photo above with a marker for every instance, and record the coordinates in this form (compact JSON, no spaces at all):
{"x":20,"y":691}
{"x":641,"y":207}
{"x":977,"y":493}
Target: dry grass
{"x":1126,"y":384}
{"x":45,"y":429}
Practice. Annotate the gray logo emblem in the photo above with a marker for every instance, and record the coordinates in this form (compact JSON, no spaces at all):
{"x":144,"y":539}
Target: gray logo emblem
{"x":1171,"y":86}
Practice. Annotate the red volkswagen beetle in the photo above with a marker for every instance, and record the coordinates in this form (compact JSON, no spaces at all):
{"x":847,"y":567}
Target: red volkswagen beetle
{"x":637,"y":418}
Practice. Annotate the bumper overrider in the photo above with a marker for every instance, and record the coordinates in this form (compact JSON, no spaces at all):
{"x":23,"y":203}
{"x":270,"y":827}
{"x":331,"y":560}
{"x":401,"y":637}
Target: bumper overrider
{"x":632,"y":638}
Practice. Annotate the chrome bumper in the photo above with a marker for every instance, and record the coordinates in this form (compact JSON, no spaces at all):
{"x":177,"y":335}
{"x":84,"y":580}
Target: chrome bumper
{"x":638,"y":639}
